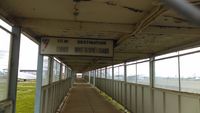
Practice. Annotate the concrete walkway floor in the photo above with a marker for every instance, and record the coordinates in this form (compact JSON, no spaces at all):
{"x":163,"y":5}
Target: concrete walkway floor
{"x":85,"y":99}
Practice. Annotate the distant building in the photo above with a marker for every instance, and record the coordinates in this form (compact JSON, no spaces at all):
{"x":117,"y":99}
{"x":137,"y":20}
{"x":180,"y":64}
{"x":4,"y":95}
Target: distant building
{"x":33,"y":72}
{"x":5,"y":70}
{"x":25,"y":75}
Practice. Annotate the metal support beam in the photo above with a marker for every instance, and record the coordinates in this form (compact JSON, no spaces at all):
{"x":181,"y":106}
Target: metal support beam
{"x":96,"y":76}
{"x":125,"y":84}
{"x":144,"y":23}
{"x":152,"y":77}
{"x":113,"y":81}
{"x":50,"y":69}
{"x":68,"y":72}
{"x":105,"y":79}
{"x":105,"y":72}
{"x":61,"y":66}
{"x":100,"y":78}
{"x":1,"y":27}
{"x":71,"y":76}
{"x":94,"y":73}
{"x":75,"y":25}
{"x":38,"y":93}
{"x":170,"y":30}
{"x":14,"y":65}
{"x":187,"y":45}
{"x":179,"y":73}
{"x":152,"y":71}
{"x":89,"y":73}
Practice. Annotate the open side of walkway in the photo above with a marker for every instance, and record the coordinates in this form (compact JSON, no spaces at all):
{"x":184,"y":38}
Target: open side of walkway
{"x":85,"y":99}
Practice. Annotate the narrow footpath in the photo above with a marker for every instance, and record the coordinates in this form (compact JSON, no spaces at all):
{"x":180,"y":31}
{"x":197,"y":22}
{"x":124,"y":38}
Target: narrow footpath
{"x":85,"y":99}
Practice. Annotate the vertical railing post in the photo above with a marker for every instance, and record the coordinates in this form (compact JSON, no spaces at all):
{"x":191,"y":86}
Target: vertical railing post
{"x":14,"y":65}
{"x":38,"y":93}
{"x":72,"y":77}
{"x":125,"y":84}
{"x":152,"y":77}
{"x":94,"y":81}
{"x":60,"y":85}
{"x":66,"y":74}
{"x":100,"y":79}
{"x":152,"y":71}
{"x":106,"y":79}
{"x":113,"y":81}
{"x":51,"y":69}
{"x":89,"y":73}
{"x":97,"y":76}
{"x":61,"y":65}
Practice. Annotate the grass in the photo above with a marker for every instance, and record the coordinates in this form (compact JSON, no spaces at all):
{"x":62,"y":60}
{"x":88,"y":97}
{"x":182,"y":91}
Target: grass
{"x":25,"y":97}
{"x":3,"y":88}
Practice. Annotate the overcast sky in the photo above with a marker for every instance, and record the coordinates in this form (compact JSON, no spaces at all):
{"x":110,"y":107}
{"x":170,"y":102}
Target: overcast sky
{"x":28,"y":53}
{"x":28,"y":50}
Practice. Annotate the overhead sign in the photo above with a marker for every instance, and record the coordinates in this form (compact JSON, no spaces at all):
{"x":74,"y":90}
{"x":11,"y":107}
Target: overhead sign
{"x":71,"y":46}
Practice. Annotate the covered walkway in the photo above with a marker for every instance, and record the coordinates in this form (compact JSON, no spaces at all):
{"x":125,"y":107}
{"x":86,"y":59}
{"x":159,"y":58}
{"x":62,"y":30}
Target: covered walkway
{"x":85,"y":99}
{"x":142,"y":53}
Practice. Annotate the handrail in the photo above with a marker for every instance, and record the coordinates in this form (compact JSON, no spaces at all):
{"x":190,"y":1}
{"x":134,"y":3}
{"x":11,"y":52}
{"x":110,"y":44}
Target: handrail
{"x":186,"y":9}
{"x":53,"y":94}
{"x":1,"y":27}
{"x":54,"y":83}
{"x":164,"y":89}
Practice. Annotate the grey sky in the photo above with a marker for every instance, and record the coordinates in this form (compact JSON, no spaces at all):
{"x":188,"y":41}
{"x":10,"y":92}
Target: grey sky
{"x":28,"y":53}
{"x":28,"y":50}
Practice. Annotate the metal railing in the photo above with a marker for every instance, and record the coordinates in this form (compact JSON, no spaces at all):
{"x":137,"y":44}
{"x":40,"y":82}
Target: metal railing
{"x":146,"y":99}
{"x":53,"y":95}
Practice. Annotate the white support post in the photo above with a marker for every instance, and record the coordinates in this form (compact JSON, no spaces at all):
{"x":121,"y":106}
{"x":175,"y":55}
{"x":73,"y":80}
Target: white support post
{"x":38,"y":93}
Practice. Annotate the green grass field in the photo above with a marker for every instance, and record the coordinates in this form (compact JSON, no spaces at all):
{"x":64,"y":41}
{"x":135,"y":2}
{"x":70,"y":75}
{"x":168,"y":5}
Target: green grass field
{"x":3,"y":88}
{"x":25,"y":97}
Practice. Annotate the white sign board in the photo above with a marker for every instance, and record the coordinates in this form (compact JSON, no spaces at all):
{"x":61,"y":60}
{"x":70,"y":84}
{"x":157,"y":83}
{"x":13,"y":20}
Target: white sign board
{"x":72,"y":46}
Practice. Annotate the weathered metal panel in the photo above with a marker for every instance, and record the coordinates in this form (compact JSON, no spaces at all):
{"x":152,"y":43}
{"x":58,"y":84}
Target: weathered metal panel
{"x":158,"y":102}
{"x":147,"y":100}
{"x":139,"y":99}
{"x":172,"y":104}
{"x":190,"y":104}
{"x":128,"y":94}
{"x":133,"y":99}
